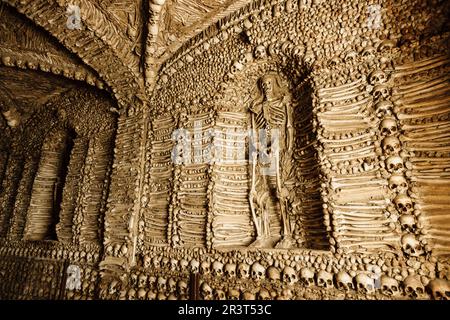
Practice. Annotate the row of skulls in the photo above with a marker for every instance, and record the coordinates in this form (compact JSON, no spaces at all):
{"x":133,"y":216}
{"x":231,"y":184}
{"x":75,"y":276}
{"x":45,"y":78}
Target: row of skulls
{"x":394,"y":164}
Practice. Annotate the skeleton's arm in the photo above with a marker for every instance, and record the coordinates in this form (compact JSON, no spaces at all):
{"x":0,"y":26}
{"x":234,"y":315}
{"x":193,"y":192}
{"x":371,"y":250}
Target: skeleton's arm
{"x":289,"y":125}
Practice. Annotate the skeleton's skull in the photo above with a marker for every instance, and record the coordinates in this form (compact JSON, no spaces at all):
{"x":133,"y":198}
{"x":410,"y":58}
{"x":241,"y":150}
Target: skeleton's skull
{"x":389,"y":286}
{"x":391,"y":145}
{"x":368,"y":52}
{"x":172,"y":284}
{"x":230,"y":270}
{"x":165,"y":263}
{"x":147,"y":262}
{"x":219,"y":295}
{"x":324,"y":279}
{"x":386,"y":45}
{"x":403,"y":203}
{"x":307,"y":277}
{"x":217,"y":268}
{"x":350,"y":56}
{"x":260,"y":52}
{"x":378,"y":77}
{"x":142,"y":281}
{"x":184,"y":264}
{"x":394,"y":164}
{"x":413,"y":286}
{"x":236,"y":67}
{"x":344,"y":281}
{"x":141,"y":294}
{"x":161,"y":284}
{"x":206,"y":291}
{"x":248,"y":296}
{"x":205,"y":267}
{"x":383,"y":108}
{"x":273,"y":274}
{"x":243,"y":270}
{"x":131,"y":295}
{"x":264,"y":294}
{"x":173,"y":264}
{"x":411,"y":246}
{"x":364,"y":283}
{"x":113,"y":288}
{"x":258,"y":271}
{"x":388,"y":127}
{"x":233,"y":294}
{"x":289,"y":275}
{"x":182,"y":287}
{"x":155,"y":262}
{"x":408,"y":223}
{"x":195,"y":266}
{"x":440,"y":289}
{"x":397,"y":183}
{"x":380,"y":91}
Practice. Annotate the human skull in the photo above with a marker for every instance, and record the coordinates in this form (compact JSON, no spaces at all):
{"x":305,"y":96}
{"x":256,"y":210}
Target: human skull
{"x":233,"y":294}
{"x":195,"y":266}
{"x":273,"y":274}
{"x":258,"y":271}
{"x":161,"y":284}
{"x":205,"y":267}
{"x":325,"y":279}
{"x":389,"y":286}
{"x":364,"y":283}
{"x":217,"y":268}
{"x":230,"y":270}
{"x":391,"y":145}
{"x":403,"y":203}
{"x":380,"y":91}
{"x":142,"y":294}
{"x":386,"y":45}
{"x":131,"y":295}
{"x":206,"y":291}
{"x":408,"y":222}
{"x":182,"y":287}
{"x":289,"y":275}
{"x":344,"y":281}
{"x":165,"y":263}
{"x":147,"y":262}
{"x":260,"y":52}
{"x":172,"y":284}
{"x":411,"y":246}
{"x":113,"y":288}
{"x":184,"y":264}
{"x":155,"y":262}
{"x":243,"y":270}
{"x":394,"y":164}
{"x":263,"y":294}
{"x":413,"y":286}
{"x":388,"y":127}
{"x":307,"y":276}
{"x":173,"y":264}
{"x":383,"y":108}
{"x":247,"y":295}
{"x":397,"y":183}
{"x":440,"y":289}
{"x":236,"y":67}
{"x":368,"y":52}
{"x":142,"y":281}
{"x":350,"y":56}
{"x":378,"y":77}
{"x":219,"y":294}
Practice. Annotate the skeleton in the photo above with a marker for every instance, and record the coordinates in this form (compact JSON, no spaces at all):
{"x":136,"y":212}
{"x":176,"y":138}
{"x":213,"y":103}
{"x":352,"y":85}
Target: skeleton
{"x":271,"y":111}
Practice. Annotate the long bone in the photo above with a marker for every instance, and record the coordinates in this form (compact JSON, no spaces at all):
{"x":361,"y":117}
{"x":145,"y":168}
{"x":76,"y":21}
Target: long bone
{"x":427,"y":67}
{"x":420,"y":85}
{"x":424,"y":114}
{"x":424,"y":126}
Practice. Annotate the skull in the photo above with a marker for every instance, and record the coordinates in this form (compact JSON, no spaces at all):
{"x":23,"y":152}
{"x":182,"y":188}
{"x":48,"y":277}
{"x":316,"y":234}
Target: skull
{"x":172,"y":285}
{"x":258,"y":271}
{"x":195,"y":266}
{"x":289,"y":275}
{"x":219,"y":294}
{"x":403,"y":203}
{"x":141,"y":294}
{"x":364,"y":283}
{"x":394,"y":164}
{"x":206,"y":291}
{"x":113,"y":287}
{"x":217,"y":268}
{"x":263,"y":294}
{"x":273,"y":274}
{"x":142,"y":281}
{"x":260,"y":52}
{"x":391,"y":145}
{"x":389,"y":286}
{"x":155,"y":262}
{"x":236,"y":67}
{"x":440,"y":289}
{"x":383,"y":108}
{"x":398,"y":183}
{"x":173,"y":264}
{"x":147,"y":262}
{"x":324,"y":279}
{"x":243,"y":270}
{"x":230,"y":270}
{"x":161,"y":284}
{"x":408,"y":222}
{"x":368,"y":52}
{"x":344,"y":281}
{"x":184,"y":264}
{"x":386,"y":45}
{"x":233,"y":294}
{"x":388,"y":127}
{"x":165,"y":263}
{"x":378,"y":77}
{"x":307,"y":276}
{"x":131,"y":294}
{"x":380,"y":91}
{"x":205,"y":267}
{"x":411,"y":246}
{"x":350,"y":56}
{"x":182,"y":287}
{"x":413,"y":286}
{"x":248,"y":296}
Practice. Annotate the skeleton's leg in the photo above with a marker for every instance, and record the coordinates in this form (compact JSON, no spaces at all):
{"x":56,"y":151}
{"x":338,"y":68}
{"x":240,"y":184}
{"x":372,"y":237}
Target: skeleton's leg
{"x":256,"y":220}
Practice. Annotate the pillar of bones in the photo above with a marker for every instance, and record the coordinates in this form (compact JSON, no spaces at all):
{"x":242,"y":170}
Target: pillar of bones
{"x":276,"y":149}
